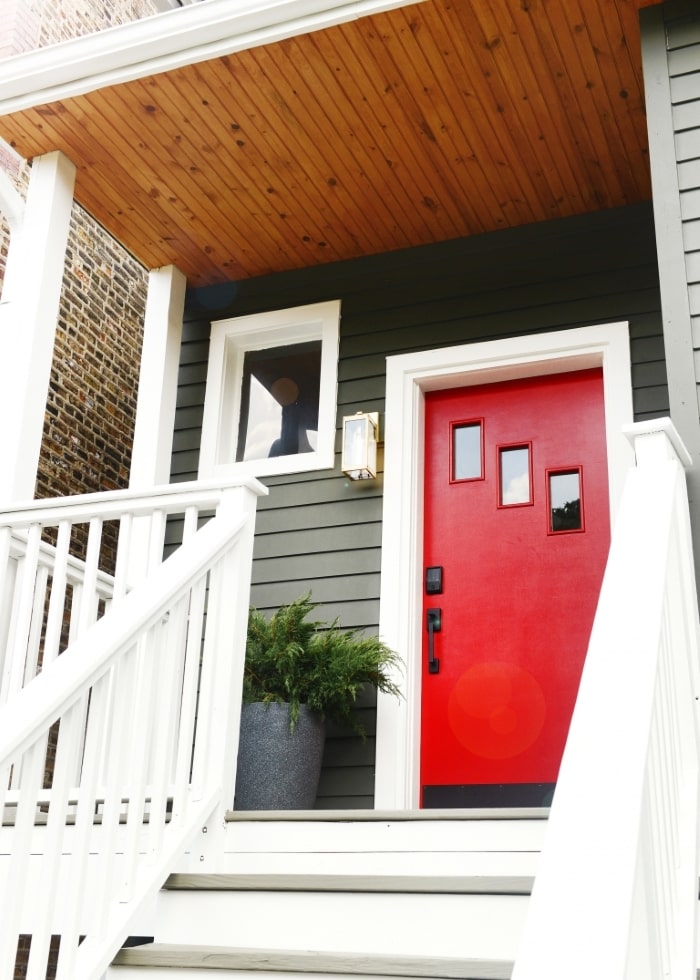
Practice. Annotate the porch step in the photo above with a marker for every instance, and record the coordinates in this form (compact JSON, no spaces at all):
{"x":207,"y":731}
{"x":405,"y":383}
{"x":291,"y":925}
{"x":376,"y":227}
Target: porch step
{"x":198,"y":961}
{"x":433,"y":895}
{"x":479,"y":916}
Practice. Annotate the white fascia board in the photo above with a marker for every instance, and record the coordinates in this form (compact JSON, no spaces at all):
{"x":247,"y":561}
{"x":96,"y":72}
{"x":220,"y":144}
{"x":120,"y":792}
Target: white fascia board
{"x":193,"y":34}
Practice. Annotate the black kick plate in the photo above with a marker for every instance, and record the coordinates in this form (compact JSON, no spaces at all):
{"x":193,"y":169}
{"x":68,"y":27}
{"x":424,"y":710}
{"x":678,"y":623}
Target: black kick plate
{"x":487,"y":795}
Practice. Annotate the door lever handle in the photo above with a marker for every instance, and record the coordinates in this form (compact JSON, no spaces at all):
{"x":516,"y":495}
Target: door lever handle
{"x":433,"y":625}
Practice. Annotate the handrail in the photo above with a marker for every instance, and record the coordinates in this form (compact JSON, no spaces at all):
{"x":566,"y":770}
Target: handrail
{"x":616,"y":892}
{"x":144,"y":755}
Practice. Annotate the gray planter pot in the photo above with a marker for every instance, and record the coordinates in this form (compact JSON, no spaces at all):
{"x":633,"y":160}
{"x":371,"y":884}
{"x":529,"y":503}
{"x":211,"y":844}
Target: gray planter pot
{"x":278,"y":769}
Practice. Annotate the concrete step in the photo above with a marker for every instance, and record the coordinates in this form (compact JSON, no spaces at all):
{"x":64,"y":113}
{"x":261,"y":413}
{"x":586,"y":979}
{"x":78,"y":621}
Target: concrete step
{"x":199,"y":961}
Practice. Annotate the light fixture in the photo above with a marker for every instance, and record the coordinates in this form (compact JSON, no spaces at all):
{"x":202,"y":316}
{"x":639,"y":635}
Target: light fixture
{"x":360,"y":432}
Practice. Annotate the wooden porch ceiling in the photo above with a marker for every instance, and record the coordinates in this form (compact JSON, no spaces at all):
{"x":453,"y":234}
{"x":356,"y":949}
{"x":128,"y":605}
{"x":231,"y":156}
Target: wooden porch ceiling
{"x":438,"y":120}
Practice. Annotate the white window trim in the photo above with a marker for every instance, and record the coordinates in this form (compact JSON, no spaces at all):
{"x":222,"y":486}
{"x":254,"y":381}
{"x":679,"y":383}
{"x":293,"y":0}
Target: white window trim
{"x":230,"y":339}
{"x":409,"y":376}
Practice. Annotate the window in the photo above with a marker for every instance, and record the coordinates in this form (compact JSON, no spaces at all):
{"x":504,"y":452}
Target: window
{"x":514,"y":475}
{"x":565,"y":500}
{"x":467,"y":451}
{"x":270,"y":399}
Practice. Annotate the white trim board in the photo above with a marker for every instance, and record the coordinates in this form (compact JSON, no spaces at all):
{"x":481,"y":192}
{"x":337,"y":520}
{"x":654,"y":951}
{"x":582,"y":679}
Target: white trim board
{"x":409,"y":376}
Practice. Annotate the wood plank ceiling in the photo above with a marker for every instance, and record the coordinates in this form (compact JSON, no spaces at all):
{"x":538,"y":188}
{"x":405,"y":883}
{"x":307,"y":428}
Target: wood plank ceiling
{"x":435,"y":121}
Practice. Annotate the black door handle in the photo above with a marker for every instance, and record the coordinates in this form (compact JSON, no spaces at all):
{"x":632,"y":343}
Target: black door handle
{"x":434,"y":625}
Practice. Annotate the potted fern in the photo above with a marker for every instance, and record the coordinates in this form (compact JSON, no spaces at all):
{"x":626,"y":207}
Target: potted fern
{"x":298,"y":674}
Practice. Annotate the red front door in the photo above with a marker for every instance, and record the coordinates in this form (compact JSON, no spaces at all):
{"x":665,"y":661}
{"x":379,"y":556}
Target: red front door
{"x":516,"y":538}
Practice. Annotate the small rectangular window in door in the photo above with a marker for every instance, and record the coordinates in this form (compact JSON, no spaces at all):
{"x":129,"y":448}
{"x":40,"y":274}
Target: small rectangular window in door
{"x":514,"y":475}
{"x":467,"y":451}
{"x":565,"y":507}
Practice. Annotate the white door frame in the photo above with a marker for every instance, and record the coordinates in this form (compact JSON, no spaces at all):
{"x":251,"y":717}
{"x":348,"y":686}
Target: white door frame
{"x":409,"y":376}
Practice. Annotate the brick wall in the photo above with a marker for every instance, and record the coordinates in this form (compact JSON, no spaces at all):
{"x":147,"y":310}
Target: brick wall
{"x":92,"y":396}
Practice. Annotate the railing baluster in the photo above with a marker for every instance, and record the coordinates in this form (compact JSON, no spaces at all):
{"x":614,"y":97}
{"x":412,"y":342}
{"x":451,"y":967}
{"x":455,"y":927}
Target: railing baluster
{"x":88,"y":604}
{"x":12,"y":904}
{"x":121,"y":571}
{"x":190,"y":523}
{"x":135,"y":787}
{"x":8,"y":577}
{"x":21,"y":618}
{"x":190,"y":684}
{"x":118,"y":722}
{"x":78,"y":901}
{"x":69,"y":736}
{"x":31,"y":665}
{"x":169,"y":671}
{"x":57,"y":602}
{"x":156,"y":539}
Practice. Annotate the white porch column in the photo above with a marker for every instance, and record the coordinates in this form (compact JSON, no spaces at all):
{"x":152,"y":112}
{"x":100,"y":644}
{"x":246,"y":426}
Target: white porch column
{"x":155,"y":407}
{"x":28,"y":317}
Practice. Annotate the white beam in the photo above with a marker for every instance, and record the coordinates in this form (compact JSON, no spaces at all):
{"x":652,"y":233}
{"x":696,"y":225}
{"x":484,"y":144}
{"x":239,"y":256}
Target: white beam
{"x":28,"y":316}
{"x":155,"y":409}
{"x":196,"y":33}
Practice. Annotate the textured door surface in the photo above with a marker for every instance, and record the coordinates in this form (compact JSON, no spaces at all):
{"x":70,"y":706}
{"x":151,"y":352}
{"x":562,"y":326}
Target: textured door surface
{"x":516,"y":537}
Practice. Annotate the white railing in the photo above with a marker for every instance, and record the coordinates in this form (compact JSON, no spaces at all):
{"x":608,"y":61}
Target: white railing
{"x":616,"y":893}
{"x":122,"y":747}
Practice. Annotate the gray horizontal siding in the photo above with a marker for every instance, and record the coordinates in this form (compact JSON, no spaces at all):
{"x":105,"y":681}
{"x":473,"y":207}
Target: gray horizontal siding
{"x":316,"y":532}
{"x":682,"y":21}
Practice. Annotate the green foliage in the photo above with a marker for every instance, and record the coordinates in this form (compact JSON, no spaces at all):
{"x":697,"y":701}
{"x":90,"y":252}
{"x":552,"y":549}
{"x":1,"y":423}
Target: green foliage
{"x":292,"y":659}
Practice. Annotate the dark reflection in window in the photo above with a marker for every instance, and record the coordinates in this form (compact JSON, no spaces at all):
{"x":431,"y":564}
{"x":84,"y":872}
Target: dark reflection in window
{"x":279,"y":401}
{"x":565,"y":501}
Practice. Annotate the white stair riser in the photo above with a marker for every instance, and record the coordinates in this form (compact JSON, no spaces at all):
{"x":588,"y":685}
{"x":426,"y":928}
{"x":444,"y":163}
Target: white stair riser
{"x":377,"y":847}
{"x":390,"y":836}
{"x":487,"y":926}
{"x":399,"y":863}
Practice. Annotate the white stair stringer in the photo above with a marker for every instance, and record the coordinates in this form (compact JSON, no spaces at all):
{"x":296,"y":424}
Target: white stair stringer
{"x":427,"y":895}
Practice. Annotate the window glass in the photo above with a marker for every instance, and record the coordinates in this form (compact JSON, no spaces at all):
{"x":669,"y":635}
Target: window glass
{"x":514,"y":474}
{"x":467,"y":453}
{"x":279,"y":401}
{"x":565,"y":509}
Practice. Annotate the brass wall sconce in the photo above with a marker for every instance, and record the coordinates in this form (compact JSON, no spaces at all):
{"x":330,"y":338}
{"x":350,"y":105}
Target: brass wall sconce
{"x":360,"y":436}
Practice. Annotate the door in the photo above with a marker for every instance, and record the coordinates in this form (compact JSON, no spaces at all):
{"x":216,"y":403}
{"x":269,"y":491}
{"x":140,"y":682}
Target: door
{"x":516,"y":537}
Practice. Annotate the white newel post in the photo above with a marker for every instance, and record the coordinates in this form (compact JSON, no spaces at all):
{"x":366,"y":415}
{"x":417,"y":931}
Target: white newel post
{"x":28,"y":316}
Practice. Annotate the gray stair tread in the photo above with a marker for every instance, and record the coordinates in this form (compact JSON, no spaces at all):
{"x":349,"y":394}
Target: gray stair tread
{"x":404,"y":884}
{"x":310,"y":961}
{"x":368,"y":816}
